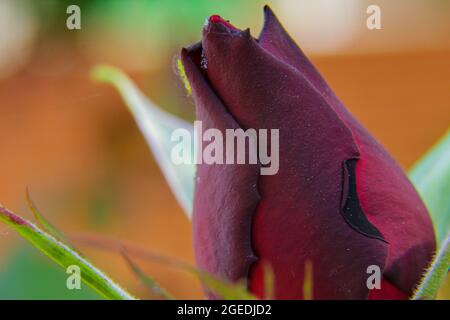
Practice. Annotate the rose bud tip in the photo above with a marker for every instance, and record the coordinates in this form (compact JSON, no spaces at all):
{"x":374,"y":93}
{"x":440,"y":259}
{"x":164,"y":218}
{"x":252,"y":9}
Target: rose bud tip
{"x":216,"y":23}
{"x":267,"y":8}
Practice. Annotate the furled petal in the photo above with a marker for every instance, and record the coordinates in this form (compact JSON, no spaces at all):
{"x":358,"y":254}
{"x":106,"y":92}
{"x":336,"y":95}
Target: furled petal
{"x":225,"y":195}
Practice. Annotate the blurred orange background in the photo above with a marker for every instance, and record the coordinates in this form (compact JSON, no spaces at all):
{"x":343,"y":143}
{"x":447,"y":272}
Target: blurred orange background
{"x":75,"y":146}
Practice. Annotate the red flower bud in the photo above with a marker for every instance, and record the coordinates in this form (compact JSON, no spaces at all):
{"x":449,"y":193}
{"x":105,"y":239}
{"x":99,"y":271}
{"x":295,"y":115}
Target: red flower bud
{"x":338,"y":200}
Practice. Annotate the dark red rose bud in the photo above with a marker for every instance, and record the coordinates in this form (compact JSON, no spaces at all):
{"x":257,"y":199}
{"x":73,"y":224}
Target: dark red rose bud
{"x":338,"y":200}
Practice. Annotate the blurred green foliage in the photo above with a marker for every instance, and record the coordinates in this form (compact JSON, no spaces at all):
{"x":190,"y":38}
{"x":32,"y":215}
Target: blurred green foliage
{"x":173,"y":20}
{"x":28,"y":274}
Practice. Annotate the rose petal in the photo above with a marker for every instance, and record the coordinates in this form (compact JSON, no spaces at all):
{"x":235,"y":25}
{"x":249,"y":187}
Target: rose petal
{"x":225,"y":196}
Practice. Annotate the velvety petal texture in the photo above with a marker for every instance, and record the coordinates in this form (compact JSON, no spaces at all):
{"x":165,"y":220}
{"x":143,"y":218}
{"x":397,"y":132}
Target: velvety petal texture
{"x":338,"y":201}
{"x":221,"y":220}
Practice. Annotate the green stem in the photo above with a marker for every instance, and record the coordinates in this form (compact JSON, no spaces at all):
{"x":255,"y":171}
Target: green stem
{"x":435,"y":275}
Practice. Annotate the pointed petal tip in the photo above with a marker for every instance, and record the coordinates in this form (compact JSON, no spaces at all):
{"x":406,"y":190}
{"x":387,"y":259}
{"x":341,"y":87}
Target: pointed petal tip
{"x":268,"y":14}
{"x":269,"y":19}
{"x":183,"y":52}
{"x":268,"y":10}
{"x":246,"y":32}
{"x":190,"y":49}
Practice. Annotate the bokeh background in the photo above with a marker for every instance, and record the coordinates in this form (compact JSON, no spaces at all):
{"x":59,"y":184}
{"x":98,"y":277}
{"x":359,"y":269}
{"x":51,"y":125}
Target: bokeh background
{"x":74,"y":145}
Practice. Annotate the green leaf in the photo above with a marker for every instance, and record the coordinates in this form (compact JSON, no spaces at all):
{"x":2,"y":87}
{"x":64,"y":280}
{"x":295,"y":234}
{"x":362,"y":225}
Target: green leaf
{"x":42,"y":221}
{"x":308,"y":281}
{"x":64,"y":256}
{"x":183,"y":77}
{"x":26,"y":274}
{"x":151,"y":284}
{"x":436,"y":274}
{"x":157,"y":126}
{"x":221,"y":288}
{"x":269,"y":282}
{"x":431,"y":177}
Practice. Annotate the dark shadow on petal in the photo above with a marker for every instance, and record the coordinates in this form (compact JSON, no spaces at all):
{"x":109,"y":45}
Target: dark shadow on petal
{"x":351,"y":207}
